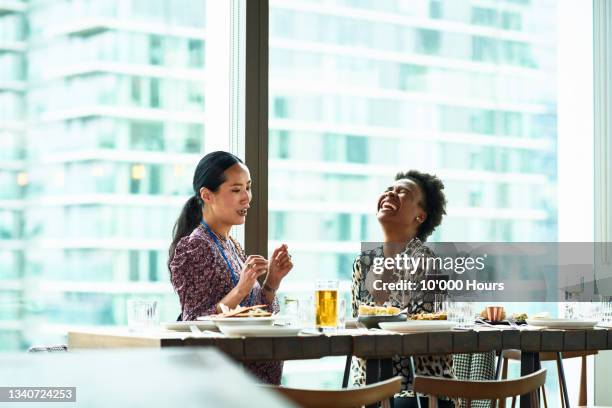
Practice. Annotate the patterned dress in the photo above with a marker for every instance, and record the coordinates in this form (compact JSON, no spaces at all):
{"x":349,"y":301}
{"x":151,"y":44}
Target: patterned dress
{"x":201,"y":278}
{"x":434,"y":365}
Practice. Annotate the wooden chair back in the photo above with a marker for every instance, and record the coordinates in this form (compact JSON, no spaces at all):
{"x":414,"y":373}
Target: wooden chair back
{"x":480,"y":390}
{"x":345,"y":398}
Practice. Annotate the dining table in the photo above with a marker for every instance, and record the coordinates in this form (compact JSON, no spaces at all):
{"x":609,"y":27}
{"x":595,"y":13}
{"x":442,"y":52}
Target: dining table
{"x":376,"y":346}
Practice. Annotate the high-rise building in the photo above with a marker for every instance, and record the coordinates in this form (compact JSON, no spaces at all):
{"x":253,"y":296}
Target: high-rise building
{"x":361,"y":90}
{"x":110,"y":98}
{"x":13,"y":177}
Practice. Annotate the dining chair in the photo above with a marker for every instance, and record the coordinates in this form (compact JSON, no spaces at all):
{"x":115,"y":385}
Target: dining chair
{"x":553,"y":356}
{"x":346,"y":398}
{"x":495,"y":391}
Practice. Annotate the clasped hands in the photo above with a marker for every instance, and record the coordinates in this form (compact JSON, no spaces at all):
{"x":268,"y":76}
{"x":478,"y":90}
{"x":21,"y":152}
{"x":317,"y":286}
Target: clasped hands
{"x":277,"y":268}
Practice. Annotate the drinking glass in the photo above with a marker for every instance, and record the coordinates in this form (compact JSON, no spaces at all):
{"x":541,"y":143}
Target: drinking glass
{"x":326,"y":304}
{"x":306,"y":312}
{"x":570,"y":310}
{"x":341,"y":313}
{"x":292,"y":311}
{"x":605,"y":315}
{"x":460,"y":312}
{"x":141,"y":314}
{"x":589,"y":310}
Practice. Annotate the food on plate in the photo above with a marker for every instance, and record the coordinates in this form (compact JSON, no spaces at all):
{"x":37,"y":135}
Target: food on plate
{"x":241,"y":311}
{"x":429,"y":316}
{"x":365,"y":310}
{"x":541,"y":315}
{"x":254,"y":313}
{"x":519,"y":317}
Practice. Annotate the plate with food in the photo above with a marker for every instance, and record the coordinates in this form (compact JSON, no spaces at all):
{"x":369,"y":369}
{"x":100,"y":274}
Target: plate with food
{"x":415,"y":326}
{"x":516,"y":319}
{"x":371,"y":316}
{"x":429,"y":316}
{"x":251,"y":315}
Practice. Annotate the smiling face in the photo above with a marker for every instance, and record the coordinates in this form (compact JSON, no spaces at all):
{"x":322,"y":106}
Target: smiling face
{"x":230,"y":203}
{"x":401,"y":204}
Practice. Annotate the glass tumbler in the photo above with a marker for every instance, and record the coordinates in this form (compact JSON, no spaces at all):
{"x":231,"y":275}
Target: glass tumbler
{"x":141,"y":314}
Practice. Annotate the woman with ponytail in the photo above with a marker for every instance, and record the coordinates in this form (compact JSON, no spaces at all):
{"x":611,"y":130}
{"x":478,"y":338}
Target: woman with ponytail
{"x":207,"y":266}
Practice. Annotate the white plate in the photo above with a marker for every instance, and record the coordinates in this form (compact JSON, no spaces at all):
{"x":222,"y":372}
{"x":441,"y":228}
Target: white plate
{"x":244,"y":321}
{"x":184,"y":326}
{"x":412,"y":326}
{"x":259,"y":331}
{"x":562,"y":323}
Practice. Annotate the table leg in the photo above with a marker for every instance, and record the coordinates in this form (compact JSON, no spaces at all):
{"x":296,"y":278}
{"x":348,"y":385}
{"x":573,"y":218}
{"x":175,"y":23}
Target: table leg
{"x":372,"y":370}
{"x":563,"y":384}
{"x":386,"y":369}
{"x":372,"y":374}
{"x":529,"y":364}
{"x":347,"y":371}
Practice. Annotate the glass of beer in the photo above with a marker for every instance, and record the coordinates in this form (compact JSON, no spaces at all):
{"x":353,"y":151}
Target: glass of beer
{"x":326,"y":304}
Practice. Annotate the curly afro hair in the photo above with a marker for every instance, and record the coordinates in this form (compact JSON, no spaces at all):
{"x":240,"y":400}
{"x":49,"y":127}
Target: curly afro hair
{"x":433,"y":203}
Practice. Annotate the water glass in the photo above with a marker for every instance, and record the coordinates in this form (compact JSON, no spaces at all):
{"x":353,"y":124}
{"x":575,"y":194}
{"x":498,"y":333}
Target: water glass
{"x":588,"y":310}
{"x":306,"y":312}
{"x":605,"y":312}
{"x":570,"y":310}
{"x":142,"y":314}
{"x":460,"y":312}
{"x":292,"y":310}
{"x":341,"y":313}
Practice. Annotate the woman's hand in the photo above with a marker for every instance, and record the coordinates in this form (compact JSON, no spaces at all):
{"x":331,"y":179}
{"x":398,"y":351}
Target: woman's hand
{"x":280,"y":265}
{"x":254,"y":267}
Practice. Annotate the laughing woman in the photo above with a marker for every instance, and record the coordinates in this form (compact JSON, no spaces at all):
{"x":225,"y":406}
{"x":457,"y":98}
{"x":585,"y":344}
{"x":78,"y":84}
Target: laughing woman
{"x":207,"y":266}
{"x":408,"y":212}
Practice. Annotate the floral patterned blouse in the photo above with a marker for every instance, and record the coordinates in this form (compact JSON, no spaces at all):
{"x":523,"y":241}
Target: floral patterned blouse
{"x":416,"y":302}
{"x":201,"y":278}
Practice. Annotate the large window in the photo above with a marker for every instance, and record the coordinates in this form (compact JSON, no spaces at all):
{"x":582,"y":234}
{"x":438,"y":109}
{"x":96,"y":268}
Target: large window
{"x":103,"y":117}
{"x":360,"y":90}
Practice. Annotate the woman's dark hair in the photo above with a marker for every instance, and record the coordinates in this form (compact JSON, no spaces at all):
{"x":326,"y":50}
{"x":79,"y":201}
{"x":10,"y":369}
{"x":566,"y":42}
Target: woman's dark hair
{"x":433,"y":203}
{"x":209,"y":173}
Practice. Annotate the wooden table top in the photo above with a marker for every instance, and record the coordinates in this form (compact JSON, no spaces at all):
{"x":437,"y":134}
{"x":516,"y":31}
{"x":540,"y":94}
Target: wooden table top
{"x":358,"y":342}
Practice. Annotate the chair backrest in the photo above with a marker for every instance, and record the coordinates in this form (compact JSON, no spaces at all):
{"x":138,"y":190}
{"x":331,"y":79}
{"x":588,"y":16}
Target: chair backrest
{"x":346,"y":398}
{"x":480,"y":390}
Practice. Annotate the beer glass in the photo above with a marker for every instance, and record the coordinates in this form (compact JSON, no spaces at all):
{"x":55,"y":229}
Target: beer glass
{"x":326,"y":304}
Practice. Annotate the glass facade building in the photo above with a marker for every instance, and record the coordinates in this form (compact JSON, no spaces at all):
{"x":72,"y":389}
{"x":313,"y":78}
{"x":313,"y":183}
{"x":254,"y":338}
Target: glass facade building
{"x":360,"y":90}
{"x":101,"y":124}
